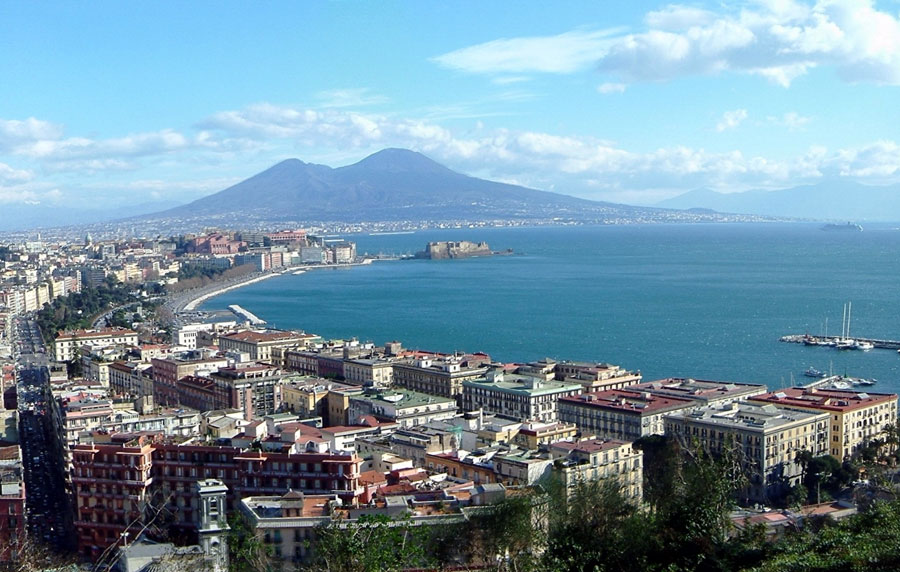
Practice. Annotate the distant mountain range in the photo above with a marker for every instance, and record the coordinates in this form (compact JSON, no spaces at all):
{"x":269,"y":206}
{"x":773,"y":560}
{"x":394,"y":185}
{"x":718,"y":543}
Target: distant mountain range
{"x":836,"y":200}
{"x":17,"y":217}
{"x":390,"y":185}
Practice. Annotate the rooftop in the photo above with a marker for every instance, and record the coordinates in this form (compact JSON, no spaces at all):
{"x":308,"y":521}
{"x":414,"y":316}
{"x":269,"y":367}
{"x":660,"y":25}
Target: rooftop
{"x":825,"y":399}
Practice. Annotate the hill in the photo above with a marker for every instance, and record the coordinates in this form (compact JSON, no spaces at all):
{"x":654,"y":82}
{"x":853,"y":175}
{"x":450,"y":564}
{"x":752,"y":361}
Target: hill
{"x":833,"y":200}
{"x":390,"y":185}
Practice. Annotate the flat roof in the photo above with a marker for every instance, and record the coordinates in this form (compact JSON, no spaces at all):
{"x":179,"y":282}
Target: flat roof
{"x":825,"y":399}
{"x":630,"y":401}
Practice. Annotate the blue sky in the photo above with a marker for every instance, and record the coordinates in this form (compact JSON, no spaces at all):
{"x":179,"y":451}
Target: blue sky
{"x":110,"y":103}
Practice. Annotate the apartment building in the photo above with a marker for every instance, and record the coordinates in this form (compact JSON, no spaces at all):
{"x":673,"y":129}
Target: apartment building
{"x":442,"y":376}
{"x":120,"y":484}
{"x":167,"y":372}
{"x":262,"y":345}
{"x":596,"y":459}
{"x":766,"y":437}
{"x":375,"y":372}
{"x":67,"y":343}
{"x":406,"y":408}
{"x":856,"y":418}
{"x":704,"y":392}
{"x":12,"y":503}
{"x":620,"y":414}
{"x":516,"y":396}
{"x":595,"y":376}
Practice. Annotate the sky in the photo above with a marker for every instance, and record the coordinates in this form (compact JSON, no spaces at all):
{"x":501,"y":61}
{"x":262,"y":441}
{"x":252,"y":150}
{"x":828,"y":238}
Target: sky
{"x":104,"y":104}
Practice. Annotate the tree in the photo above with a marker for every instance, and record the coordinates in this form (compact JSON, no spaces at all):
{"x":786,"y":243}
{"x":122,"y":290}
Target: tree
{"x":374,"y":543}
{"x":246,"y":553}
{"x":595,"y":527}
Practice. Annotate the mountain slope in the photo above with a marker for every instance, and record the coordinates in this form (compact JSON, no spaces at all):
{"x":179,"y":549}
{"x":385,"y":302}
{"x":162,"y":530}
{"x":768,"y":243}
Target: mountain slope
{"x":836,"y":200}
{"x":393,"y":184}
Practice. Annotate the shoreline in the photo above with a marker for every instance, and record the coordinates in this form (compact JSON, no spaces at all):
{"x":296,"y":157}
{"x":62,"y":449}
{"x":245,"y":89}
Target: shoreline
{"x":192,"y":304}
{"x":191,"y":301}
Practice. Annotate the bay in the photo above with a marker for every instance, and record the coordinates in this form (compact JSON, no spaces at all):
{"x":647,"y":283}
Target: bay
{"x":700,"y":301}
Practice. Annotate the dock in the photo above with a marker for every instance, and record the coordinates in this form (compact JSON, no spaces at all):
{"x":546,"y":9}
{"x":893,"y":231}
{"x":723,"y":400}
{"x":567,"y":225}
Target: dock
{"x":811,"y":340}
{"x":247,"y":315}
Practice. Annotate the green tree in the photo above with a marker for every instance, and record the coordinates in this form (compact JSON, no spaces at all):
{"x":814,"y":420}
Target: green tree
{"x":246,"y":553}
{"x":374,"y":543}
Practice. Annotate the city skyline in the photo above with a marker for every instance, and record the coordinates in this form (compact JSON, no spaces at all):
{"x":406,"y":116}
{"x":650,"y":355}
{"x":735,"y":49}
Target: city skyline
{"x":122,"y":104}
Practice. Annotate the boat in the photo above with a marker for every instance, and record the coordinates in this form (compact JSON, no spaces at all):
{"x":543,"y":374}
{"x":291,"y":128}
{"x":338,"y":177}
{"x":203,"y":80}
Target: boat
{"x":864,"y":346}
{"x":845,"y":344}
{"x":849,"y":226}
{"x":813,"y":372}
{"x":841,"y":385}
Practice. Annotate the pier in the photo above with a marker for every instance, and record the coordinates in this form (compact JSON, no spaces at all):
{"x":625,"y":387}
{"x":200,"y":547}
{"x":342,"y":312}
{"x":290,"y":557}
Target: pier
{"x":247,"y":315}
{"x":811,"y":340}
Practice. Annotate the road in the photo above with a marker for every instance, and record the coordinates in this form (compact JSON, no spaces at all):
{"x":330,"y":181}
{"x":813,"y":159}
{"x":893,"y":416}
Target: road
{"x":48,"y":509}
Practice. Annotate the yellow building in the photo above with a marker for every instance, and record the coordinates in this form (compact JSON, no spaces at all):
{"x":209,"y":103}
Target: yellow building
{"x":766,"y":437}
{"x":856,"y":418}
{"x":596,"y":459}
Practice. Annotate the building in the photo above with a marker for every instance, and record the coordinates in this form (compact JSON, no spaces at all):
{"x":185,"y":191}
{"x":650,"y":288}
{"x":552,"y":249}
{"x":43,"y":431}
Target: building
{"x":766,"y":438}
{"x":441,"y":376}
{"x":593,"y":376}
{"x":111,"y":489}
{"x":596,"y":459}
{"x":288,"y":523}
{"x":620,"y":414}
{"x":376,"y":372}
{"x":122,"y":483}
{"x":167,"y":372}
{"x":261,"y":345}
{"x":406,"y":408}
{"x":308,"y":397}
{"x":254,"y":387}
{"x":12,"y":503}
{"x":534,"y":434}
{"x":67,"y":343}
{"x":701,"y":391}
{"x":856,"y":418}
{"x":516,"y":396}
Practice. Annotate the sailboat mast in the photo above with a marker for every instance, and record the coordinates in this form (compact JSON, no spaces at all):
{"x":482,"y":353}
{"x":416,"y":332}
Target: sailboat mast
{"x":844,"y":321}
{"x":849,"y":308}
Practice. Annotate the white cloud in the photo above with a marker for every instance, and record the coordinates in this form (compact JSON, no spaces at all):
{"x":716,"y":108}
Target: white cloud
{"x":606,"y":88}
{"x":14,"y":132}
{"x":779,"y":40}
{"x":9,"y":175}
{"x":352,"y":97}
{"x":563,"y":53}
{"x":731,"y":119}
{"x":573,"y":164}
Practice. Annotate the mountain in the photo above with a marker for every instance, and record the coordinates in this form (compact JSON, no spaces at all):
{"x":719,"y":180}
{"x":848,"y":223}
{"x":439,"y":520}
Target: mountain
{"x":390,"y":185}
{"x":21,"y":217}
{"x":832,"y":200}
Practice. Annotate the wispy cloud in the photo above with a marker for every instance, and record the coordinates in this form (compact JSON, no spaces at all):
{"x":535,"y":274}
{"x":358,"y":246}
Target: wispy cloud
{"x":582,"y":165}
{"x":779,"y":41}
{"x":352,"y":97}
{"x":606,"y":88}
{"x":792,"y":120}
{"x":563,"y":53}
{"x":731,"y":119}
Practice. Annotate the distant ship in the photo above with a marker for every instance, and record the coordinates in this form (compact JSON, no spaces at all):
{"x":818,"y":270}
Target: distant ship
{"x":848,"y":226}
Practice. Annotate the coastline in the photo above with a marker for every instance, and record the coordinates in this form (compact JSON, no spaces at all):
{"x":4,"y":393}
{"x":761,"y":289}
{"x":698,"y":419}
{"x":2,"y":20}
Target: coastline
{"x":188,"y":301}
{"x":191,"y":305}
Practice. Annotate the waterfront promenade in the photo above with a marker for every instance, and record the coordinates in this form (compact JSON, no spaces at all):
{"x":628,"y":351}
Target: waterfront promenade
{"x":188,"y":300}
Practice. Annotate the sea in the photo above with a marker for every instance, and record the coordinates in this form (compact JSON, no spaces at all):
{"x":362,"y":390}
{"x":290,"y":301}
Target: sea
{"x":702,"y":301}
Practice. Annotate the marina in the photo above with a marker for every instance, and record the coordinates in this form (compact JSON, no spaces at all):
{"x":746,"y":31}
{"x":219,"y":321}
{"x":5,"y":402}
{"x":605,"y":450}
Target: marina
{"x":839,"y":343}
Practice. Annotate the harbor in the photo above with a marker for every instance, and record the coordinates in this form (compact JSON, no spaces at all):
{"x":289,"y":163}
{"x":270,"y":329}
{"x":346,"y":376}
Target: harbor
{"x":833,"y":342}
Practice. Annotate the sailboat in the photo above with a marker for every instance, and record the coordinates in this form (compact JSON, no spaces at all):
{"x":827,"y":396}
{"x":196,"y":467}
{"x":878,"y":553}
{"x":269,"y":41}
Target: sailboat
{"x":845,"y":342}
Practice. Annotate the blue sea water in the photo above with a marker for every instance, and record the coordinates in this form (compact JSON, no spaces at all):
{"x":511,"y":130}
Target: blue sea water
{"x":701,"y":301}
